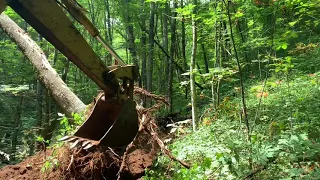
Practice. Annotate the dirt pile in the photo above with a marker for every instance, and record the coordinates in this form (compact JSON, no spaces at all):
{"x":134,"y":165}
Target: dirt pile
{"x":96,"y":163}
{"x":30,"y":168}
{"x":84,"y":165}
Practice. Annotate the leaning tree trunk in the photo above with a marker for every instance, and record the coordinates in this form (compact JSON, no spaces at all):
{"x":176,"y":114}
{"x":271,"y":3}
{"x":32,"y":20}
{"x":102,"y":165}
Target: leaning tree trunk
{"x":63,"y":96}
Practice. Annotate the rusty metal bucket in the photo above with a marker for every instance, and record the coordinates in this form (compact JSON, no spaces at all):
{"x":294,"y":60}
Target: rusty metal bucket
{"x":108,"y":124}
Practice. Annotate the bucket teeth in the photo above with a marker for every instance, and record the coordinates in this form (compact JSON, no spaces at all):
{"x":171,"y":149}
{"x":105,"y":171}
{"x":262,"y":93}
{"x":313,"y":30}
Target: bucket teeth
{"x":74,"y":144}
{"x":85,"y":143}
{"x":71,"y":139}
{"x":64,"y":138}
{"x":88,"y":146}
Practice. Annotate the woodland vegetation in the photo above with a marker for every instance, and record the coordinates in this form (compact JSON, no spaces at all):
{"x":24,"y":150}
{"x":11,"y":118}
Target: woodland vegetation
{"x":243,"y":74}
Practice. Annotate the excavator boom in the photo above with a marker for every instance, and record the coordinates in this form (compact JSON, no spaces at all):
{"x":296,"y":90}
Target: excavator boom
{"x":111,"y":123}
{"x":48,"y":18}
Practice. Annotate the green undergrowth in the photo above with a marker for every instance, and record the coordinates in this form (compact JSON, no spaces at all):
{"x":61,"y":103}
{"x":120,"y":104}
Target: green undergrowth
{"x":284,"y":140}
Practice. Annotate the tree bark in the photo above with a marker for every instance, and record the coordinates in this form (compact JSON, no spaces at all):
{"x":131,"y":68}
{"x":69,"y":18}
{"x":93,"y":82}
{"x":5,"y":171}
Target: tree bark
{"x":165,"y":42}
{"x":143,"y":49}
{"x":130,"y":34}
{"x":205,"y":59}
{"x":65,"y":70}
{"x":144,"y":58}
{"x":63,"y":96}
{"x":172,"y":54}
{"x":151,"y":47}
{"x":183,"y":40}
{"x":17,"y":124}
{"x":39,"y":104}
{"x":244,"y":107}
{"x":107,"y":25}
{"x":192,"y":67}
{"x":46,"y":119}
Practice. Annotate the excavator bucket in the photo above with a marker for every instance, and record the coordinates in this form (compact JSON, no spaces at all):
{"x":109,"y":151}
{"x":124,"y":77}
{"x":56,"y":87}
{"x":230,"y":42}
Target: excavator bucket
{"x":113,"y":121}
{"x":109,"y":124}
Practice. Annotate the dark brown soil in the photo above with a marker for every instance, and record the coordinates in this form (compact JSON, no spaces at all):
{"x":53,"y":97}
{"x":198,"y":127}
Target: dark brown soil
{"x":30,"y":168}
{"x":96,"y":163}
{"x":100,"y":164}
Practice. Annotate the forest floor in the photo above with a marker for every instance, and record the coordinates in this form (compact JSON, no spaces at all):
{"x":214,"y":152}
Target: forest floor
{"x":284,"y":134}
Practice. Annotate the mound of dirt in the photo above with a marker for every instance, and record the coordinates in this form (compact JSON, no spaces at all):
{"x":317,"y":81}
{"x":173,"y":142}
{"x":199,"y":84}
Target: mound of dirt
{"x":18,"y":172}
{"x":97,"y":164}
{"x":30,"y":168}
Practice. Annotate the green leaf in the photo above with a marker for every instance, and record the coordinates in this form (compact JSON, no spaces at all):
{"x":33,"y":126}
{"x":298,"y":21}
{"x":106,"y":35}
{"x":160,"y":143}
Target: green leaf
{"x":284,"y":46}
{"x":295,"y":172}
{"x":239,"y":14}
{"x":292,"y":23}
{"x":294,"y":138}
{"x":250,"y":23}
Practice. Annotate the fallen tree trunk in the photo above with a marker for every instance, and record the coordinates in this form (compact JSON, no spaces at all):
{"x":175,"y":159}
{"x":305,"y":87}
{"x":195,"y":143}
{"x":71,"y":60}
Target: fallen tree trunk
{"x":59,"y":91}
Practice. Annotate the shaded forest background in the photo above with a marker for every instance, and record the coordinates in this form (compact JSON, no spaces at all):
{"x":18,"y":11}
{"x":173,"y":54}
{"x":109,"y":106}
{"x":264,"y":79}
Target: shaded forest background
{"x":256,"y":75}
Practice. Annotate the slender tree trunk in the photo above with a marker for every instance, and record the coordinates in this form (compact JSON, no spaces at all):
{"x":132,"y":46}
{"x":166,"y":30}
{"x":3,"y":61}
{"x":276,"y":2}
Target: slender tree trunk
{"x":183,"y":40}
{"x":205,"y":59}
{"x":64,"y":97}
{"x":244,"y":40}
{"x":65,"y":72}
{"x":160,"y":74}
{"x":17,"y":124}
{"x":109,"y":21}
{"x":39,"y":104}
{"x":107,"y":26}
{"x":130,"y":34}
{"x":215,"y":84}
{"x":240,"y":75}
{"x":46,"y":119}
{"x":183,"y":46}
{"x":144,"y":46}
{"x":93,"y":15}
{"x":172,"y":55}
{"x":151,"y":47}
{"x":52,"y":108}
{"x":192,"y":67}
{"x":55,"y":56}
{"x":132,"y":47}
{"x":144,"y":60}
{"x":165,"y":41}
